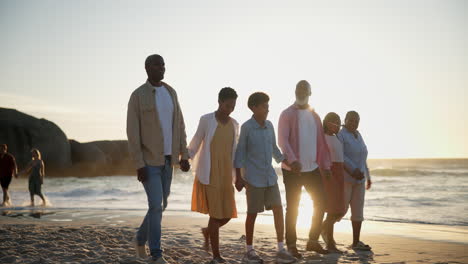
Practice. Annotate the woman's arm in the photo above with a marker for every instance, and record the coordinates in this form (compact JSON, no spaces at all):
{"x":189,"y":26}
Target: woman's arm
{"x":197,"y":139}
{"x":42,"y":171}
{"x":27,"y":169}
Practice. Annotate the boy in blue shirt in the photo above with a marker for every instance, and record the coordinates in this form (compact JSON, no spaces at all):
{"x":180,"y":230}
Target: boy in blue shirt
{"x":255,"y":150}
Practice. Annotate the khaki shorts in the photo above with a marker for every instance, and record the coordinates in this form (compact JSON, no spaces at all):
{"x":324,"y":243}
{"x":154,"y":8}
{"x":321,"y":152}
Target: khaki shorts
{"x":262,"y":198}
{"x":354,"y":194}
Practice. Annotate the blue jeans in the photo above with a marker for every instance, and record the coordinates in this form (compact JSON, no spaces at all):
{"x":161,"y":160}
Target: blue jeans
{"x":157,"y":187}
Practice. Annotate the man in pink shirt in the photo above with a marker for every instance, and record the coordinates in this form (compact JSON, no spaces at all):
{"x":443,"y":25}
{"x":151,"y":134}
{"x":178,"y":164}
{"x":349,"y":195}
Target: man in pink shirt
{"x":302,"y":140}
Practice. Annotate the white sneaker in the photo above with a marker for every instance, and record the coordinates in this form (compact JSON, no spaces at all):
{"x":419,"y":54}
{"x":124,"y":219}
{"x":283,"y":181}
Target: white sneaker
{"x":283,"y":256}
{"x":251,"y":257}
{"x":140,"y":251}
{"x":160,"y":260}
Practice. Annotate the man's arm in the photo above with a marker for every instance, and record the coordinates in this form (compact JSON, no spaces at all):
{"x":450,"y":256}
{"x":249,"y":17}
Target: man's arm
{"x":184,"y":156}
{"x":14,"y":166}
{"x":133,"y":135}
{"x":283,"y":138}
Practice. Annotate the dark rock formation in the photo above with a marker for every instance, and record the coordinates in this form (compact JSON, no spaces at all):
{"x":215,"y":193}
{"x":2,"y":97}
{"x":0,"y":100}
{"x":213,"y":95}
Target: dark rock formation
{"x":62,"y":157}
{"x":101,"y":158}
{"x":22,"y":132}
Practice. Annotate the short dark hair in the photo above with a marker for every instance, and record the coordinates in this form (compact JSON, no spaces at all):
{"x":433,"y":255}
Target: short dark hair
{"x":257,"y":99}
{"x":226,"y":93}
{"x":4,"y":146}
{"x":332,"y":116}
{"x":151,"y":58}
{"x":351,"y":113}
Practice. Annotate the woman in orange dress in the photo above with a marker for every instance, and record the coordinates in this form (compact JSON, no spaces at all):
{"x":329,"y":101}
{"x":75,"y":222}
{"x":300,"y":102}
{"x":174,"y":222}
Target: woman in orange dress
{"x":212,"y":151}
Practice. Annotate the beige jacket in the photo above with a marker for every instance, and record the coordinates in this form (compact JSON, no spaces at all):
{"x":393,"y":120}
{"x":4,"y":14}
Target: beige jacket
{"x":144,"y":132}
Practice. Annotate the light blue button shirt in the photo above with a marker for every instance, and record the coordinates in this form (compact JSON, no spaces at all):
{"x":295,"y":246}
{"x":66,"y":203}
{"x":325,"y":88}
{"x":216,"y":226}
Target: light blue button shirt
{"x":355,"y":154}
{"x":254,"y":153}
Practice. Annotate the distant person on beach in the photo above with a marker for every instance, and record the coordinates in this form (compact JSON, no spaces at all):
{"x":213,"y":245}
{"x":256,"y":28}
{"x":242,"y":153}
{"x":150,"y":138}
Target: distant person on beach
{"x":157,"y":142}
{"x":36,"y":170}
{"x":212,"y":151}
{"x":302,"y":140}
{"x":255,"y":150}
{"x":356,"y":173}
{"x":334,"y":185}
{"x":8,"y":169}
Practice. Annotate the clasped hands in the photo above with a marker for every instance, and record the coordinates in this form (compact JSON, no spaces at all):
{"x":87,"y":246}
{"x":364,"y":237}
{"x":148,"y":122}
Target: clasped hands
{"x":142,"y":174}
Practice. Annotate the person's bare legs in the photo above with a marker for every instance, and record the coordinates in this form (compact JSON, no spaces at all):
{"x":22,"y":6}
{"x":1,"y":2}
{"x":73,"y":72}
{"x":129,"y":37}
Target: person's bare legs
{"x":328,"y":226}
{"x":206,"y":232}
{"x":279,"y":223}
{"x":249,"y":228}
{"x":43,"y":199}
{"x":6,"y":196}
{"x":356,"y":231}
{"x":32,"y":199}
{"x":213,"y":231}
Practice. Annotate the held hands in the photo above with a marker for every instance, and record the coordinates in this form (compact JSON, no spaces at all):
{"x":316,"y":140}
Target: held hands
{"x":142,"y":174}
{"x":184,"y":165}
{"x":240,"y":184}
{"x":296,"y":166}
{"x":357,"y":174}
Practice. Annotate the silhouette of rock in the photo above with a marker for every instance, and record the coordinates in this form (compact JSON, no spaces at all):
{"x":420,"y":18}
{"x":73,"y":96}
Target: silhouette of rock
{"x":23,"y":132}
{"x":101,"y":158}
{"x":62,"y":157}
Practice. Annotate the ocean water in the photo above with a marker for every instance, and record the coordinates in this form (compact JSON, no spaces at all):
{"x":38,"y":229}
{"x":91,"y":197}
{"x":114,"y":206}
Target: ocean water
{"x":407,"y":191}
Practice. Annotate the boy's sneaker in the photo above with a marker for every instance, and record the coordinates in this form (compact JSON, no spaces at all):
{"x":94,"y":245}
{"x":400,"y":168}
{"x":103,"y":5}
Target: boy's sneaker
{"x":283,"y":256}
{"x":140,"y":251}
{"x":158,"y":260}
{"x":251,"y":257}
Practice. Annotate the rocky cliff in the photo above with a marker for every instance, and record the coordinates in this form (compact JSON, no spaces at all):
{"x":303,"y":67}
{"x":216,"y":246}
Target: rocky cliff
{"x":62,"y":157}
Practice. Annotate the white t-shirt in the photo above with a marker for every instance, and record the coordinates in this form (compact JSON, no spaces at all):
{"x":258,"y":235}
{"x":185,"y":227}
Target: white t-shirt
{"x":307,"y":141}
{"x":165,"y":109}
{"x":335,"y":147}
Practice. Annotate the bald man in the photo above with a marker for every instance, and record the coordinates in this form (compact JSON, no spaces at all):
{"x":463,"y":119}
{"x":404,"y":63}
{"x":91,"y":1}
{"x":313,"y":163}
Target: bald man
{"x":302,"y":140}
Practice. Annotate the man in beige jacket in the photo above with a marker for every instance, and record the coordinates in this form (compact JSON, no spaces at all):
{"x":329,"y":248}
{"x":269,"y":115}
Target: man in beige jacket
{"x":157,"y":142}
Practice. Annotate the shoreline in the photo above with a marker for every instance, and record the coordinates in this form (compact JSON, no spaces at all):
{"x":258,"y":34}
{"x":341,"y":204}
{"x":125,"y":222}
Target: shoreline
{"x":43,"y":215}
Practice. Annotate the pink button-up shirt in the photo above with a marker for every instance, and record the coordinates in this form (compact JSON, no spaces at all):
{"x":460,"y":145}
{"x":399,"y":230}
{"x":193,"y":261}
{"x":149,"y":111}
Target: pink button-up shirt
{"x":288,"y":138}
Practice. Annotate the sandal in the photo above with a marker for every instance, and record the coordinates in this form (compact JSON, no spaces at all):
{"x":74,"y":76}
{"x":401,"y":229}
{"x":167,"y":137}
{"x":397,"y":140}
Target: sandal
{"x":361,"y":246}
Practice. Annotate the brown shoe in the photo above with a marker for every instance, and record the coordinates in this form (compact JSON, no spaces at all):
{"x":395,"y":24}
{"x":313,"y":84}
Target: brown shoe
{"x":294,"y":252}
{"x":315,"y":246}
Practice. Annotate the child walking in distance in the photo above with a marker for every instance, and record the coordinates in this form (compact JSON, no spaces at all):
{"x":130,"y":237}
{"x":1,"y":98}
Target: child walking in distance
{"x":212,"y":152}
{"x":255,"y":150}
{"x":36,"y":176}
{"x":334,"y":185}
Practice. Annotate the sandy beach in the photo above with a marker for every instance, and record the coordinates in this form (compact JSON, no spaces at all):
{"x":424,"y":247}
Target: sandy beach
{"x":42,"y":236}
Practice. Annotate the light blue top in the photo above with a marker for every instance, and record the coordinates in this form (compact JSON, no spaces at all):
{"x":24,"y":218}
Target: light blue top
{"x":355,"y":154}
{"x":254,"y":153}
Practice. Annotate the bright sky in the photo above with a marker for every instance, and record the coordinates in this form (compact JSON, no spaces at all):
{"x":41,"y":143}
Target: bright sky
{"x":403,"y":65}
